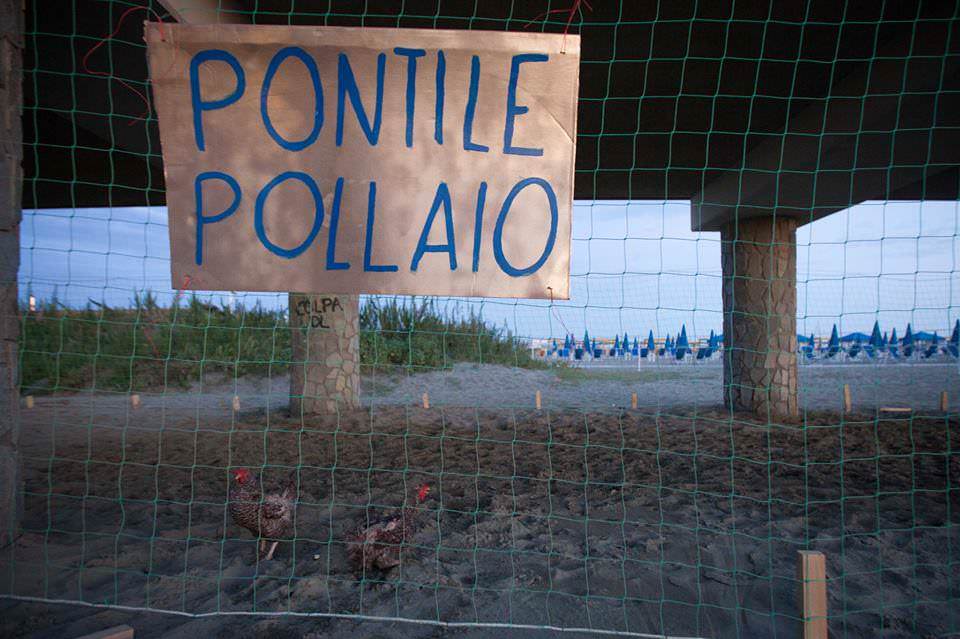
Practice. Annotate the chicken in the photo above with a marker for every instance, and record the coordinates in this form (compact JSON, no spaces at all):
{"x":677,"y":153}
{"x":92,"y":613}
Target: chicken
{"x":379,"y":545}
{"x":268,"y":517}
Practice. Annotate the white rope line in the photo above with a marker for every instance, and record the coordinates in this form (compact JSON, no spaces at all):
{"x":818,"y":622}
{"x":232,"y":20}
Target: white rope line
{"x":357,"y":617}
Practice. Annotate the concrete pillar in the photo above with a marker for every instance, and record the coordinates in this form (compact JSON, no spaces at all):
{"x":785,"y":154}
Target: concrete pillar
{"x":11,"y":177}
{"x":759,"y":261}
{"x":325,"y":340}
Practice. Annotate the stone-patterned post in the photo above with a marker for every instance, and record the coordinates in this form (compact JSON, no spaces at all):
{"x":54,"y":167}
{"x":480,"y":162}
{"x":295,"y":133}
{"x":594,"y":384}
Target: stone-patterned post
{"x":11,"y":155}
{"x":759,"y":261}
{"x":325,"y":340}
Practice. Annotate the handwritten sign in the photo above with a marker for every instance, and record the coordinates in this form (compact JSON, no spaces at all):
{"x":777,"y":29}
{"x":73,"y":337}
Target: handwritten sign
{"x":349,"y":160}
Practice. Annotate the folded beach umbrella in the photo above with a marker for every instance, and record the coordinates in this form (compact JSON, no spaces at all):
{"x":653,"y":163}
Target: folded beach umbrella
{"x":651,"y":343}
{"x":683,"y":346}
{"x":875,"y":338}
{"x":833,"y":346}
{"x":908,"y":337}
{"x":907,"y":341}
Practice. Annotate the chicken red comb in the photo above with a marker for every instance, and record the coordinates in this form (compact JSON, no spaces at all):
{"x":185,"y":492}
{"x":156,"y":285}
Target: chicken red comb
{"x":240,"y":474}
{"x":422,"y":491}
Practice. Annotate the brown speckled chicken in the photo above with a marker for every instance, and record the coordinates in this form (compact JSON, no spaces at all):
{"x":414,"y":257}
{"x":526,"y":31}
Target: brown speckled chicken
{"x":269,"y":517}
{"x":379,"y":545}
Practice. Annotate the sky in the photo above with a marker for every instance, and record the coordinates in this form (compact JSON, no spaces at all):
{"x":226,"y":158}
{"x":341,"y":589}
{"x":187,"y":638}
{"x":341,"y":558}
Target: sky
{"x":635,"y":266}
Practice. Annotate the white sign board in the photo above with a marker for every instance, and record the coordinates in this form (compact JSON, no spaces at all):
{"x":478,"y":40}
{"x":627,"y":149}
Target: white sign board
{"x":356,"y":160}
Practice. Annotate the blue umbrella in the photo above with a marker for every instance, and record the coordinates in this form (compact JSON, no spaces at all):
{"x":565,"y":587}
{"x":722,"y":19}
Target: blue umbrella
{"x":683,"y":346}
{"x":586,"y":340}
{"x":907,"y":342}
{"x":876,"y":339}
{"x":855,"y":336}
{"x":651,"y":343}
{"x":833,"y":346}
{"x":955,"y":337}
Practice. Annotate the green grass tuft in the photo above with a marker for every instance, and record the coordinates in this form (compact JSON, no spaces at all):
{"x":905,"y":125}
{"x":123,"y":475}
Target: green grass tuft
{"x":147,"y":346}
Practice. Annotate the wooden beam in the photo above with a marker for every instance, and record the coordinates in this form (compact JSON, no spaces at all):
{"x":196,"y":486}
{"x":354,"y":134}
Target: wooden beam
{"x":812,"y":593}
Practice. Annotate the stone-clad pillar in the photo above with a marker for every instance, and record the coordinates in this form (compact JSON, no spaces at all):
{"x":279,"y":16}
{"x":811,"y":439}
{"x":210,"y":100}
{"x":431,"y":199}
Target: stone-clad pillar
{"x":759,"y":261}
{"x":11,"y":155}
{"x":325,"y":340}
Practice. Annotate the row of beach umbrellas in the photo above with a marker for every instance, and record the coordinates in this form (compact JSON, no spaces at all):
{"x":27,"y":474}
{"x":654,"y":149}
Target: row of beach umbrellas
{"x":882,"y":342}
{"x":876,"y":342}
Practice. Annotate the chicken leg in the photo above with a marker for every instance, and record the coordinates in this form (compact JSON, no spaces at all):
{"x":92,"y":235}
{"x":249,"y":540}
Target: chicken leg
{"x":273,"y":547}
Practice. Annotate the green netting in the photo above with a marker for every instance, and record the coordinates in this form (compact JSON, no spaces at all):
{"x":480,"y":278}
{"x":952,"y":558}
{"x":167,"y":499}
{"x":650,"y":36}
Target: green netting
{"x":632,"y":500}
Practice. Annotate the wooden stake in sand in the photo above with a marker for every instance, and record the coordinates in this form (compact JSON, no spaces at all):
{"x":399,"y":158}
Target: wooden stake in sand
{"x":633,"y":401}
{"x":896,"y":409}
{"x":135,"y":401}
{"x":944,"y":401}
{"x":847,"y":399}
{"x":536,"y":400}
{"x":426,"y":400}
{"x":812,"y":593}
{"x":28,"y":401}
{"x":117,"y":632}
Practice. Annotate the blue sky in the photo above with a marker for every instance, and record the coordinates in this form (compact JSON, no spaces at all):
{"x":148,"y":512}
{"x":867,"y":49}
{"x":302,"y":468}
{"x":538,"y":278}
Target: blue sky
{"x":635,"y":266}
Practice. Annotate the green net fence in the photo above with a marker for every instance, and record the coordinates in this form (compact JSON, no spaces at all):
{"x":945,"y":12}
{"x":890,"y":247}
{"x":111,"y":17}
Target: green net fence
{"x":519,"y":465}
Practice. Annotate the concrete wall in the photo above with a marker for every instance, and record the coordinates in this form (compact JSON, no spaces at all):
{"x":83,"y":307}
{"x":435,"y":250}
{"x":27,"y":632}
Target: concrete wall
{"x":11,"y":176}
